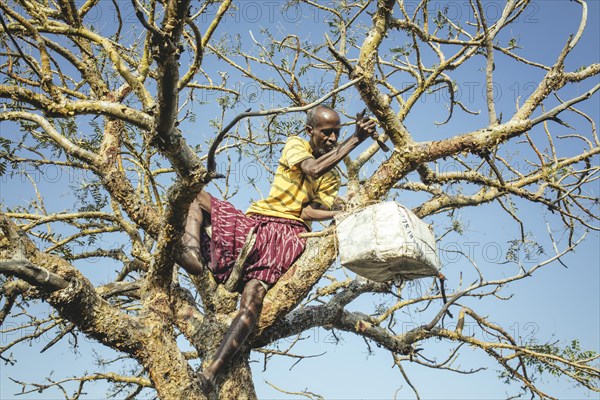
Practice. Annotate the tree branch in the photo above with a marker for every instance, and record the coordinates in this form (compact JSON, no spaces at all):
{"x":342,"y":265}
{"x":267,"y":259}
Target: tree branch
{"x":33,"y":275}
{"x":211,"y":164}
{"x":558,"y":109}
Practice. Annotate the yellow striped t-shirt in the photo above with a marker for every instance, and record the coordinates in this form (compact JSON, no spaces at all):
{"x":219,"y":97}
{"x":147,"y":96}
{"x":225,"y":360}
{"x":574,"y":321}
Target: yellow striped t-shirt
{"x":291,"y":189}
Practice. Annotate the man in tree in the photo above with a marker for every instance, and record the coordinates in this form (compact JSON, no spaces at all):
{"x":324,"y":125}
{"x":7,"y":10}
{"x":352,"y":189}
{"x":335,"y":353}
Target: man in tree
{"x":303,"y":190}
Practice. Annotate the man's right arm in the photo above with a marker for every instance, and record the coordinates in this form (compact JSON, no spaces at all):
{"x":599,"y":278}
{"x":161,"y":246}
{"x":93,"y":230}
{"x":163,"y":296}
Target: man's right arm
{"x":317,"y":167}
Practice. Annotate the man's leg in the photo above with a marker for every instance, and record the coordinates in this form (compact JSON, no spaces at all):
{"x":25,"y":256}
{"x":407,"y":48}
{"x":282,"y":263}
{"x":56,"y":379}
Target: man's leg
{"x":250,"y":306}
{"x":190,"y":258}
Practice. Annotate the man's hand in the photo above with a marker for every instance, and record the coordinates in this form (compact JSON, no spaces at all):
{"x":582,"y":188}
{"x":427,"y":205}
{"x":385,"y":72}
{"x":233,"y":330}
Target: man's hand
{"x":339,"y":204}
{"x":316,"y":212}
{"x":365,"y":126}
{"x":317,"y":167}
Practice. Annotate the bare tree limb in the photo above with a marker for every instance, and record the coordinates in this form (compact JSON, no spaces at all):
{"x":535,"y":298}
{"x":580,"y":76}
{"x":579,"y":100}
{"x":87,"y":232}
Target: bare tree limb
{"x":34,"y":275}
{"x":211,"y":164}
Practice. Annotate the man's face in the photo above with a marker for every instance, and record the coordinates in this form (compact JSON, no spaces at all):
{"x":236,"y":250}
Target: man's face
{"x":325,"y":133}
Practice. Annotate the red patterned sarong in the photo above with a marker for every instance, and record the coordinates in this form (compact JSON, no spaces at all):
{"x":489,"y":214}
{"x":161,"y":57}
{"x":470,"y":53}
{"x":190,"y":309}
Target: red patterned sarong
{"x":276,"y":248}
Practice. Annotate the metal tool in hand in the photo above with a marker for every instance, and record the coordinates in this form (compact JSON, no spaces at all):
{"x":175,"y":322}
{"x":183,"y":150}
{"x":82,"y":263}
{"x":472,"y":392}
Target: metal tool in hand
{"x":382,"y":145}
{"x":375,"y":135}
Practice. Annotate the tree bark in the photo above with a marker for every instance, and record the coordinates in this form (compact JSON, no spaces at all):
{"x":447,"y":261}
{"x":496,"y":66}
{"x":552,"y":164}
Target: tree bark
{"x":237,"y":384}
{"x":295,"y":284}
{"x":169,"y":371}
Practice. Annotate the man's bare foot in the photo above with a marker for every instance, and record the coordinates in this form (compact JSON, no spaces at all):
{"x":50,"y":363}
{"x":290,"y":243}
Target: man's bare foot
{"x":207,"y":386}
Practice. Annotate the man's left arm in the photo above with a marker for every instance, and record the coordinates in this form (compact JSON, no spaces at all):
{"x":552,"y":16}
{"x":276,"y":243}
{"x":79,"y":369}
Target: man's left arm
{"x":323,"y":205}
{"x":317,"y":212}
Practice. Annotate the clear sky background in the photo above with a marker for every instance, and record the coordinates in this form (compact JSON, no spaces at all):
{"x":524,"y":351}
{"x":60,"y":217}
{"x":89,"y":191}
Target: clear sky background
{"x":557,"y":304}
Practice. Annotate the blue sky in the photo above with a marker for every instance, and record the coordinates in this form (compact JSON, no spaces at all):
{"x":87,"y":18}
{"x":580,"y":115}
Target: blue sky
{"x":556,"y":304}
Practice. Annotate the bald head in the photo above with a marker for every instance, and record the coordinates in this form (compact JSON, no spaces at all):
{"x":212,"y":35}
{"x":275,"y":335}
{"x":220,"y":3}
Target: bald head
{"x":321,"y":113}
{"x":323,"y":125}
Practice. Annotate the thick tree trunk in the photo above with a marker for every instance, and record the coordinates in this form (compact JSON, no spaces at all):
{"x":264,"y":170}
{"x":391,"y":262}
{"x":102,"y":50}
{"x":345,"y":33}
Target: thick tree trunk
{"x":237,"y":383}
{"x":169,"y":371}
{"x":295,"y":284}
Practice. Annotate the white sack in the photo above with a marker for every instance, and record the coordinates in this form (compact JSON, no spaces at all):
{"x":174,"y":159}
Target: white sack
{"x":385,"y":241}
